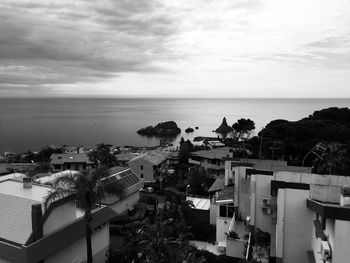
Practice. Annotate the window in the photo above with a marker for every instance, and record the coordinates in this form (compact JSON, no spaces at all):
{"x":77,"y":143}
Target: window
{"x":141,"y":175}
{"x":227,"y":211}
{"x":141,"y":167}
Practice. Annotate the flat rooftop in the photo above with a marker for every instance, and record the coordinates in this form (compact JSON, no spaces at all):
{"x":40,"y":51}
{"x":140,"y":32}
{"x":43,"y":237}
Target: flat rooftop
{"x":15,"y":207}
{"x":36,"y":193}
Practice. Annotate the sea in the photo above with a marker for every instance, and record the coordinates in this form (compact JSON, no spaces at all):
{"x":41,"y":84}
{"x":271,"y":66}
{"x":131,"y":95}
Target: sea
{"x":30,"y":124}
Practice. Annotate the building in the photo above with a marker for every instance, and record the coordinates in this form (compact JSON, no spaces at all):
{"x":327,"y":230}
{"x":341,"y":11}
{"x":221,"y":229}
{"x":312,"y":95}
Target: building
{"x":123,"y":158}
{"x":200,"y":211}
{"x":148,"y":165}
{"x":70,"y":161}
{"x":29,"y":233}
{"x":234,"y":209}
{"x":213,"y":161}
{"x":128,"y":180}
{"x":131,"y":184}
{"x":215,"y":144}
{"x":73,"y":149}
{"x":306,"y":215}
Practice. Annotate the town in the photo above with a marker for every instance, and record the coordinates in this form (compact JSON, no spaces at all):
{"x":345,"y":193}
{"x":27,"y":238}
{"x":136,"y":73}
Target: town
{"x":206,"y":202}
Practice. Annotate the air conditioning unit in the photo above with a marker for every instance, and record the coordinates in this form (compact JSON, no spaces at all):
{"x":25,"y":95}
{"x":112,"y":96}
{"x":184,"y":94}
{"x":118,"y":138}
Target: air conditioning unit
{"x":326,"y":252}
{"x":266,"y":201}
{"x":266,"y":210}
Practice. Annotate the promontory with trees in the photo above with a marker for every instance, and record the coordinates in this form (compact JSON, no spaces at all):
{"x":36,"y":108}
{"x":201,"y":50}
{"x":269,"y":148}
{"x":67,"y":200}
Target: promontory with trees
{"x":321,"y":140}
{"x":163,"y":129}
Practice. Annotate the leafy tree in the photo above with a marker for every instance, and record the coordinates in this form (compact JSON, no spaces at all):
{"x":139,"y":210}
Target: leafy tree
{"x":45,"y":153}
{"x":185,"y":151}
{"x":102,"y":155}
{"x":199,"y":181}
{"x":243,"y":127}
{"x":166,"y":239}
{"x":87,"y":189}
{"x":332,"y":158}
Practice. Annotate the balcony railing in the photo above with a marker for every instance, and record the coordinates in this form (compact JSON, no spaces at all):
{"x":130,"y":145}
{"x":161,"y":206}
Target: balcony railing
{"x":232,"y":224}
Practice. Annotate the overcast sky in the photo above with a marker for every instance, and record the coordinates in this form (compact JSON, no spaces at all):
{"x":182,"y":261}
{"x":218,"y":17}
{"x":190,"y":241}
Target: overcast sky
{"x":175,"y":48}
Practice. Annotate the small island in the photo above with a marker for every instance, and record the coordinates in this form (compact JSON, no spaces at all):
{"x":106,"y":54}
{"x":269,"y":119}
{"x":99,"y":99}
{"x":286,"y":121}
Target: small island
{"x":189,"y":129}
{"x":224,"y":127}
{"x":163,"y":129}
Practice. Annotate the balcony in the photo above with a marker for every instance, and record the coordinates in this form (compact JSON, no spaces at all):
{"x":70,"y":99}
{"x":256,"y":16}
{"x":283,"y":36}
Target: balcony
{"x":238,"y":236}
{"x":192,"y":161}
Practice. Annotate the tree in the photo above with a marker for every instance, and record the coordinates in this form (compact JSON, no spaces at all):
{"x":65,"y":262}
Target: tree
{"x":185,"y":151}
{"x":102,"y":155}
{"x":166,"y":239}
{"x":87,"y":189}
{"x":332,"y":158}
{"x":243,"y":127}
{"x":198,"y":180}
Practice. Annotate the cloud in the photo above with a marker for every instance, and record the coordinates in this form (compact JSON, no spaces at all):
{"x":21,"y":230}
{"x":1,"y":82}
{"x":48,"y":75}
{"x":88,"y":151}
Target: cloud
{"x":147,"y":48}
{"x":61,"y":42}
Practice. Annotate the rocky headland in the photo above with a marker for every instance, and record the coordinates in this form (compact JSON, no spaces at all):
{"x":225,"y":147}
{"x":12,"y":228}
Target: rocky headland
{"x":224,"y":127}
{"x":163,"y":129}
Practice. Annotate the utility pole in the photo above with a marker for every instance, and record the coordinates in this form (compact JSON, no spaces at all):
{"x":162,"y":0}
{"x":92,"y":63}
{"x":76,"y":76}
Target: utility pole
{"x":273,"y":148}
{"x":260,"y":146}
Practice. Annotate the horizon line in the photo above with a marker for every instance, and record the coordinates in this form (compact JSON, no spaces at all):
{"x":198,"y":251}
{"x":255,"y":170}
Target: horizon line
{"x":148,"y":97}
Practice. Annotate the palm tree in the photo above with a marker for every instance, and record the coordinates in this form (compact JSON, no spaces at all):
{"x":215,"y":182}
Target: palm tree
{"x":87,"y":188}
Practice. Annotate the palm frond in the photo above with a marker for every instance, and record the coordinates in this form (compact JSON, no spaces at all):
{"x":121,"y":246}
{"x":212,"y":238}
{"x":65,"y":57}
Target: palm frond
{"x":57,"y":194}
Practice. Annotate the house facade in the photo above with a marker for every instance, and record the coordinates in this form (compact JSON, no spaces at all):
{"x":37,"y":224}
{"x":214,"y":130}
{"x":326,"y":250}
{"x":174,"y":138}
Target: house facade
{"x":213,"y":160}
{"x":148,"y":165}
{"x":70,"y":161}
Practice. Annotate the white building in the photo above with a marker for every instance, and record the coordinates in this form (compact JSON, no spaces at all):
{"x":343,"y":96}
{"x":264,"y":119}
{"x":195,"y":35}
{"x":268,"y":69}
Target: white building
{"x":29,"y":233}
{"x":213,"y":161}
{"x":236,"y":204}
{"x":307,"y":215}
{"x":147,"y":165}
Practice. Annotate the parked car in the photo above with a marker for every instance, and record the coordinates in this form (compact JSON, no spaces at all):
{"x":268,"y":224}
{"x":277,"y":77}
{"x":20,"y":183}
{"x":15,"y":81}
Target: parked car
{"x":148,"y":189}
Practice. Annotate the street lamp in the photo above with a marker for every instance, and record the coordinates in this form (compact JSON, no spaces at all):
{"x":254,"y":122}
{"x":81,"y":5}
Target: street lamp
{"x":187,"y":187}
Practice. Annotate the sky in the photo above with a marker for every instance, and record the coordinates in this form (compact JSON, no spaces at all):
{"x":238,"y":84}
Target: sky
{"x":175,"y":48}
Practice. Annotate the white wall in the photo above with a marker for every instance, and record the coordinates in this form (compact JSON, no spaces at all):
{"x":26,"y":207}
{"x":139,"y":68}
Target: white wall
{"x":243,"y":191}
{"x":280,"y":223}
{"x":212,"y":212}
{"x":262,"y":190}
{"x":60,"y":216}
{"x":147,"y":171}
{"x":341,"y":247}
{"x":235,"y":248}
{"x":77,"y":250}
{"x":298,"y":222}
{"x":222,"y":225}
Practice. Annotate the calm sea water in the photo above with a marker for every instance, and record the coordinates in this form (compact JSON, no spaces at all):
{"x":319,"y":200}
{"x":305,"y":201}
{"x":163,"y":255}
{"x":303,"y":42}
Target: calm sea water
{"x":33,"y":123}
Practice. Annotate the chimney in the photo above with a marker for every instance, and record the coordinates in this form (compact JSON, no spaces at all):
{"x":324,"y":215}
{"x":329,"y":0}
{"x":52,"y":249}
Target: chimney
{"x":37,"y":222}
{"x":345,"y":196}
{"x":27,"y":182}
